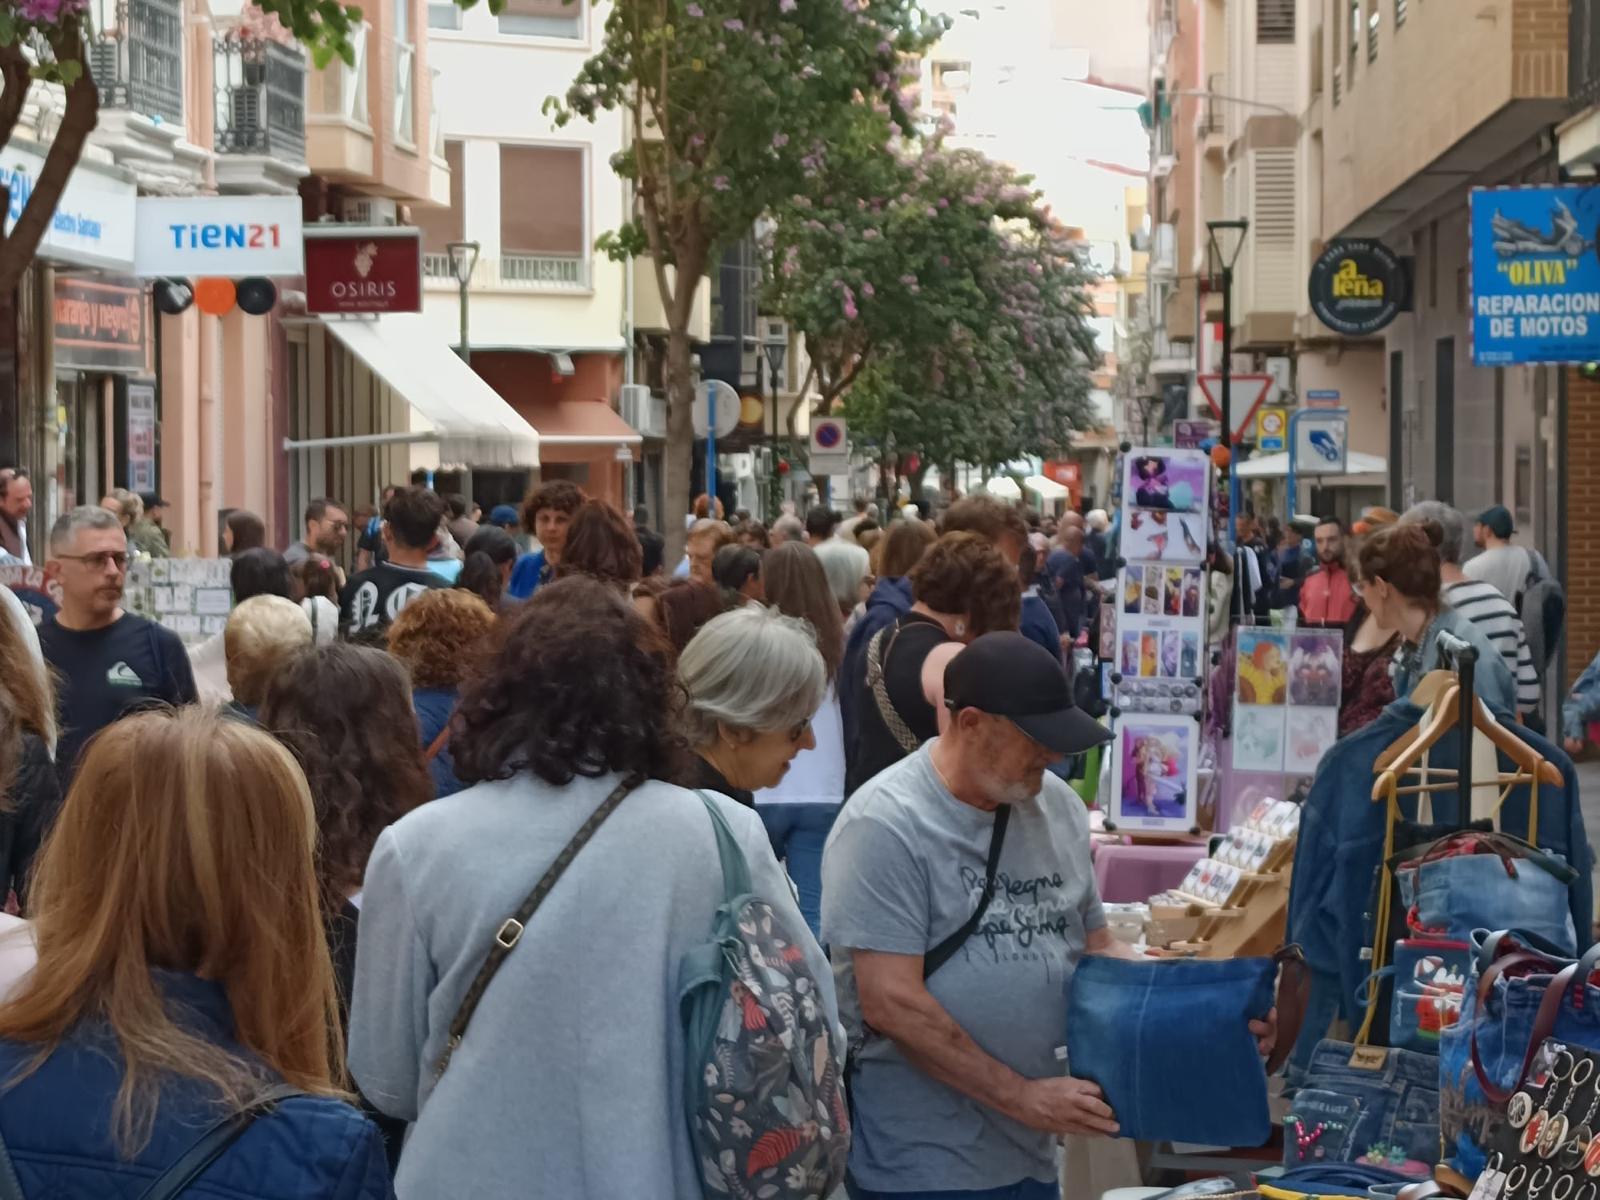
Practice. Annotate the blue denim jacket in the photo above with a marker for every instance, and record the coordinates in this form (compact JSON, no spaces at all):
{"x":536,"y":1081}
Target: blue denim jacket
{"x":1341,"y":846}
{"x":1583,"y":702}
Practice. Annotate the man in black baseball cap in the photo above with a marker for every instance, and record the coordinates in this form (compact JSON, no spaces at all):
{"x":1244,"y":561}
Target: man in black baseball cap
{"x":1006,"y":675}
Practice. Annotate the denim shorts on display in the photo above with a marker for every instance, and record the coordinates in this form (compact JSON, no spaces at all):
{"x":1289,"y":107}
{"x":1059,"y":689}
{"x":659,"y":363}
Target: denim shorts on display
{"x":1387,"y":1117}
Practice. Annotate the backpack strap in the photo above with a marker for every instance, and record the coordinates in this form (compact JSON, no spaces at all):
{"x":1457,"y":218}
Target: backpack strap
{"x":214,"y":1142}
{"x":735,"y":868}
{"x":439,"y":742}
{"x":945,"y":950}
{"x":877,"y":656}
{"x":194,"y":1161}
{"x":511,"y":929}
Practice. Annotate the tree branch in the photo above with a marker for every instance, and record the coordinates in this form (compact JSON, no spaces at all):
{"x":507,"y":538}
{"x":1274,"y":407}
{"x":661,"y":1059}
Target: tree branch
{"x":82,"y":113}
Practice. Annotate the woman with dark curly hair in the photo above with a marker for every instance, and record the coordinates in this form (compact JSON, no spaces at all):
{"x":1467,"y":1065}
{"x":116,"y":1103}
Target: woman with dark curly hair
{"x":962,"y":588}
{"x":601,"y":543}
{"x":573,"y":718}
{"x":679,"y":608}
{"x":439,"y":644}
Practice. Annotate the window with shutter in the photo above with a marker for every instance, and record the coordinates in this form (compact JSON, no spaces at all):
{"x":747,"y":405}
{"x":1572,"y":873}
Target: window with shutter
{"x":544,"y":18}
{"x":1275,"y":22}
{"x":542,"y":201}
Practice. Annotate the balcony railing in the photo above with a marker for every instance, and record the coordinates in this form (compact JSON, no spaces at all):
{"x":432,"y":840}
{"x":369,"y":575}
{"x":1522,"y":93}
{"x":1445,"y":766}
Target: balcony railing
{"x":341,"y":88}
{"x":532,"y":272}
{"x":405,"y":93}
{"x":1583,"y":53}
{"x":261,"y":97}
{"x":137,"y":56}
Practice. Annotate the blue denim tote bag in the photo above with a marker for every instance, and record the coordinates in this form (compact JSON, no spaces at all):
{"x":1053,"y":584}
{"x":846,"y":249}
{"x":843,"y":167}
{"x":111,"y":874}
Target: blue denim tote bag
{"x":1474,"y":880}
{"x":1522,"y":991}
{"x":1169,"y":1044}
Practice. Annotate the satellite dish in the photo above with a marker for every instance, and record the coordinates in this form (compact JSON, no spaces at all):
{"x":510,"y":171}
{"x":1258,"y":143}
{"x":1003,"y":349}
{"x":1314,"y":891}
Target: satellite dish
{"x":728,"y":406}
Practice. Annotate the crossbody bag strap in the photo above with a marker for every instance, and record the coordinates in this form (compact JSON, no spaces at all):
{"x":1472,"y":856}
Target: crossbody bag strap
{"x":10,"y":1185}
{"x":511,"y":929}
{"x":213,"y":1142}
{"x":439,"y":742}
{"x":877,"y":655}
{"x":941,"y":954}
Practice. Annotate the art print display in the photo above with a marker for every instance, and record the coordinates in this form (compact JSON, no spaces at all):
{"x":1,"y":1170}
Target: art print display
{"x":1154,"y":773}
{"x":1165,"y":479}
{"x":1160,"y":635}
{"x":1170,"y":537}
{"x":1286,"y":700}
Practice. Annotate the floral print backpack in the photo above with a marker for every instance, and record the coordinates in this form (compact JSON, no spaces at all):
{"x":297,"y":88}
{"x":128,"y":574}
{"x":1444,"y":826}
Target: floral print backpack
{"x":766,"y":1104}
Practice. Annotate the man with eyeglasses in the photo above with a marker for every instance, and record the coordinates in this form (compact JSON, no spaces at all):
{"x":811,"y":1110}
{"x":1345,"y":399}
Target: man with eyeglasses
{"x":327,"y":529}
{"x":110,"y":661}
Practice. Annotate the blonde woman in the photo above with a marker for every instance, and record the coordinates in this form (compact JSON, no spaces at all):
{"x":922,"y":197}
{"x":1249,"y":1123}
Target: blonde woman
{"x":183,"y":984}
{"x":29,"y":786}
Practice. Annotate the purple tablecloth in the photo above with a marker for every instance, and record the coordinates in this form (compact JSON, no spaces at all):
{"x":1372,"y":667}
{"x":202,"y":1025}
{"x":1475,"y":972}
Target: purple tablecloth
{"x":1131,"y":874}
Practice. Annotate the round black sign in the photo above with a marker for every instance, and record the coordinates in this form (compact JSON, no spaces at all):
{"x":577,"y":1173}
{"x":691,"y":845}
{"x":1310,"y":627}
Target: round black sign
{"x":1357,"y":286}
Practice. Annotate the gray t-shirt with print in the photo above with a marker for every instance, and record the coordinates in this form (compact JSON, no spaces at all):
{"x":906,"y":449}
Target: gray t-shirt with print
{"x":904,"y":869}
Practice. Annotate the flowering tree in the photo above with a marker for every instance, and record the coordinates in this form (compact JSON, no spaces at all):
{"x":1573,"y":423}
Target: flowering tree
{"x":46,"y":41}
{"x":939,"y":301}
{"x":731,"y":103}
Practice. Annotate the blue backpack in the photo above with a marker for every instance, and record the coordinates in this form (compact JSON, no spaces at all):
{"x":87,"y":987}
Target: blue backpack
{"x":766,"y":1105}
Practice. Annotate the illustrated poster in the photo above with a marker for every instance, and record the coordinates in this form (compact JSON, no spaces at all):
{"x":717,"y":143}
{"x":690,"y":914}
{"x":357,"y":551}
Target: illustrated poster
{"x":1166,"y":506}
{"x":1154,"y":772}
{"x":1286,"y":701}
{"x":1160,"y":637}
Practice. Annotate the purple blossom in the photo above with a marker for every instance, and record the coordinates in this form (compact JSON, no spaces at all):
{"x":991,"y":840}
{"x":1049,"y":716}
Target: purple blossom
{"x":720,"y":183}
{"x":851,"y":312}
{"x":786,"y":6}
{"x":932,"y":211}
{"x":733,"y":25}
{"x":815,"y":226}
{"x":695,"y":11}
{"x":696,"y":140}
{"x":780,"y":140}
{"x":809,"y":72}
{"x":50,"y":12}
{"x":885,"y":47}
{"x":944,"y":201}
{"x":870,"y":235}
{"x":909,"y":280}
{"x":868,"y":290}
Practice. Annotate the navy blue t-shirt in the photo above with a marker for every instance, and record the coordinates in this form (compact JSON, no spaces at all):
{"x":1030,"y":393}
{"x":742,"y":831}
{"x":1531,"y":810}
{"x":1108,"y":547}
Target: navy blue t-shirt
{"x":108,"y":673}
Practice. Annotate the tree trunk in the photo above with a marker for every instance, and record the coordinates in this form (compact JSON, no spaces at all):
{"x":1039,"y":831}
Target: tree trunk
{"x":679,"y":458}
{"x":77,"y":122}
{"x":918,"y":478}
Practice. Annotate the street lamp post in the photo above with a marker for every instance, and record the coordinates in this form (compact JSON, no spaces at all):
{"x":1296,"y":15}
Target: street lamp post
{"x":775,"y":349}
{"x":463,"y":261}
{"x":1227,"y":239}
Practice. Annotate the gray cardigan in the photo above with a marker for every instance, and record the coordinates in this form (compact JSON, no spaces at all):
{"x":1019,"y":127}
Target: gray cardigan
{"x":570,"y":1079}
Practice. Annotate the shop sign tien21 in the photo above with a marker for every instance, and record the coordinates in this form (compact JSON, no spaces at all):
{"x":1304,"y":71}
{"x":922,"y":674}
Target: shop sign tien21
{"x":1535,"y":275}
{"x":229,"y":237}
{"x":365,"y":270}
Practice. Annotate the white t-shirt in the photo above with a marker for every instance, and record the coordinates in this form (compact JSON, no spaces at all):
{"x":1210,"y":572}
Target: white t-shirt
{"x":1507,"y":567}
{"x":815,"y":776}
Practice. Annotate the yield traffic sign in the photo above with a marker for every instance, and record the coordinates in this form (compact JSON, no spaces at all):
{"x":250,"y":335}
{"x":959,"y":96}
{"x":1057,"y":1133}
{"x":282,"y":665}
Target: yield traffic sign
{"x":1248,"y":393}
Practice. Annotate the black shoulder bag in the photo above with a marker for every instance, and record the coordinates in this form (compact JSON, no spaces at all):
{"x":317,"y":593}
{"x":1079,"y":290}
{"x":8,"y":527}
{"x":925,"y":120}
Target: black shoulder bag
{"x":945,"y":950}
{"x":176,"y":1179}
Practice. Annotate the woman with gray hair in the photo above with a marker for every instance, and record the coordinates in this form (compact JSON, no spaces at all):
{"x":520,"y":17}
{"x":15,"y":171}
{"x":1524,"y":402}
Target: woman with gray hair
{"x":753,"y":679}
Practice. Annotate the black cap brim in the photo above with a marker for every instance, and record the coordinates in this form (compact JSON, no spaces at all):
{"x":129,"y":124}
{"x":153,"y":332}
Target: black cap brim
{"x":1066,"y":731}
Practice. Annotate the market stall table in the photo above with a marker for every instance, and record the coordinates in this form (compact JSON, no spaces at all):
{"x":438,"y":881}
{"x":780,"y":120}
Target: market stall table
{"x":1128,"y":874}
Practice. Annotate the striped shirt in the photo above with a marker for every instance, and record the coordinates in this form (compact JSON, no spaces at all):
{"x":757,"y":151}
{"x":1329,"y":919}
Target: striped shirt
{"x":1485,"y":606}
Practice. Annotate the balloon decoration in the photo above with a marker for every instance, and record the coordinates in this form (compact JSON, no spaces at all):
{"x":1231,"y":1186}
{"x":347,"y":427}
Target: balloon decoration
{"x":1220,"y":458}
{"x":172,"y":296}
{"x":257,"y":296}
{"x":216,"y":297}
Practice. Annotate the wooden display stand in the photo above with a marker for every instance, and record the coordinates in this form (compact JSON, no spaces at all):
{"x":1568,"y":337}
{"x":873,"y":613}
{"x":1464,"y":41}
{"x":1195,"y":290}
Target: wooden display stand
{"x":1251,"y":923}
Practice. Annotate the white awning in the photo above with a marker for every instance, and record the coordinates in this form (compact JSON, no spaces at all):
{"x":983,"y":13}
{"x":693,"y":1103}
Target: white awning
{"x":1276,"y":466}
{"x":1003,"y":486}
{"x":450,"y":405}
{"x":1046,"y":488}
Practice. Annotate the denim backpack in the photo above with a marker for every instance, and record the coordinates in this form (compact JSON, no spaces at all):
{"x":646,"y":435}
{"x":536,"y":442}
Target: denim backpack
{"x":765,"y":1096}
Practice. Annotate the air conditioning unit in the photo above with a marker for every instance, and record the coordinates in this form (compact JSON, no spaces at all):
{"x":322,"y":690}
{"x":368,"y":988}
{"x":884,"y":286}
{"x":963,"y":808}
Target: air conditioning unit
{"x":369,"y":210}
{"x":774,"y":329}
{"x":643,"y":411}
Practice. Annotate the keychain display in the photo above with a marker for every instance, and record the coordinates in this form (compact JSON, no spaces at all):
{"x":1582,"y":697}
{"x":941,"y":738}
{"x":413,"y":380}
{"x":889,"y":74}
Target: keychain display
{"x":1549,"y":1145}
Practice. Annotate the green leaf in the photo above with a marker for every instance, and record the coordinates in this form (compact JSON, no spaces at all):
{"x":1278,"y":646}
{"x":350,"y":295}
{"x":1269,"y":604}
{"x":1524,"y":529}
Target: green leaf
{"x":8,"y":27}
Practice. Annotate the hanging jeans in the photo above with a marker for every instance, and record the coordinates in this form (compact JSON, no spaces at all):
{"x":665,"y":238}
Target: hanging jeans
{"x":798,"y":832}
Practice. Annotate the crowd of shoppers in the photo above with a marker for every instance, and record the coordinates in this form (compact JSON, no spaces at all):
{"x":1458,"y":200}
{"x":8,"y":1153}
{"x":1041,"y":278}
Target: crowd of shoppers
{"x":409,"y":762}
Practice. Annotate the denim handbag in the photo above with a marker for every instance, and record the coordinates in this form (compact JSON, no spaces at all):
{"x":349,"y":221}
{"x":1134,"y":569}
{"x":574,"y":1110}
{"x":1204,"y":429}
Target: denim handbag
{"x":1522,"y":990}
{"x":1129,"y":1023}
{"x":1375,"y":1106}
{"x":1472,"y":880}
